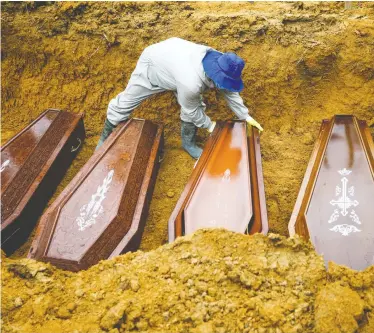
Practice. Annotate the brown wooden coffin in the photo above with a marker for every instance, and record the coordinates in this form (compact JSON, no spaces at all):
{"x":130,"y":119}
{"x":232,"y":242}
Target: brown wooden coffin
{"x":226,"y":188}
{"x":335,"y":206}
{"x":32,"y":165}
{"x":102,"y":212}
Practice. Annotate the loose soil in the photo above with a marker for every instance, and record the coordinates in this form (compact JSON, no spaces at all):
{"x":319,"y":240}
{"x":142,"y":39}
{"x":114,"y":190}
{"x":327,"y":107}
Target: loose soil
{"x":213,"y":281}
{"x":304,"y":62}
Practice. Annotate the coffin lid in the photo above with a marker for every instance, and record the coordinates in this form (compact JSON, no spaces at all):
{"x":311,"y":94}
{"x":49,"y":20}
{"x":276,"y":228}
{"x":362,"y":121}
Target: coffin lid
{"x":335,"y":207}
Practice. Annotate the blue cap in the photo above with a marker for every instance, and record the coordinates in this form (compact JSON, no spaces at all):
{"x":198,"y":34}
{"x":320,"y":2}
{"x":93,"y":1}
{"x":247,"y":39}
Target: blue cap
{"x":225,"y":69}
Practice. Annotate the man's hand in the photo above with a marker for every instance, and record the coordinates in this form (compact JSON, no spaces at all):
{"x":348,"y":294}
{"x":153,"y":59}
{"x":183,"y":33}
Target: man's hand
{"x":211,"y":127}
{"x":254,"y":123}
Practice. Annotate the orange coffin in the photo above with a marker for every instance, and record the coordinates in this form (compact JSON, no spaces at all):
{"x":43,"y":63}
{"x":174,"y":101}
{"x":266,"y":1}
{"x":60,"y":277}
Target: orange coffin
{"x":335,"y":206}
{"x":226,"y":187}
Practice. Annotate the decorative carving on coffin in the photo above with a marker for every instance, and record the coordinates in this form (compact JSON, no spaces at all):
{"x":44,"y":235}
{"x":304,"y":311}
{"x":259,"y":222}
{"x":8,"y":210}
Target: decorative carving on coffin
{"x":345,"y":201}
{"x":102,"y":212}
{"x":89,"y":212}
{"x":33,"y":164}
{"x":335,"y":207}
{"x":226,"y":186}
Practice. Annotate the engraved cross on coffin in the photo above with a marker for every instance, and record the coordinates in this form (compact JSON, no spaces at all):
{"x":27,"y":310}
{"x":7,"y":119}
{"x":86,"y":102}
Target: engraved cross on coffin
{"x":226,"y":187}
{"x":344,"y":203}
{"x":335,"y":206}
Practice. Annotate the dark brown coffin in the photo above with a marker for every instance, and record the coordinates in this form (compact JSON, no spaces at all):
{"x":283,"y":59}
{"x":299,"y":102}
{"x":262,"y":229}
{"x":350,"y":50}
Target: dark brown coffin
{"x":335,"y":206}
{"x":226,"y":188}
{"x":32,"y":165}
{"x":102,"y":212}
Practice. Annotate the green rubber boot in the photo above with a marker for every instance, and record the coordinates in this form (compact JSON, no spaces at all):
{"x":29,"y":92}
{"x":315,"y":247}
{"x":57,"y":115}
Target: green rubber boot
{"x":107,"y":130}
{"x":188,"y":133}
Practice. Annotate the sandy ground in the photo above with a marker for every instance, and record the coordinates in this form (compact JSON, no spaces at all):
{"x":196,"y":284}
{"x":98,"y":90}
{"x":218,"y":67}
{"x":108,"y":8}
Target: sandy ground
{"x":304,"y":62}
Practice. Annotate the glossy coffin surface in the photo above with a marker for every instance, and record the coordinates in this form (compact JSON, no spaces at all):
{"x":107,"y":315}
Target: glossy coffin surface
{"x":32,"y":165}
{"x":226,"y":187}
{"x":335,"y":207}
{"x":102,"y":211}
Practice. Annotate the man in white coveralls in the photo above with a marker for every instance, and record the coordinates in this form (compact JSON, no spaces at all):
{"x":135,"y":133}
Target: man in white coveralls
{"x":187,"y":69}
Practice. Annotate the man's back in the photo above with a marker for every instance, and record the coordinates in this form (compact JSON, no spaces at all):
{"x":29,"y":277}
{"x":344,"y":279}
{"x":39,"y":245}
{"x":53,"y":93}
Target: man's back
{"x":176,"y":62}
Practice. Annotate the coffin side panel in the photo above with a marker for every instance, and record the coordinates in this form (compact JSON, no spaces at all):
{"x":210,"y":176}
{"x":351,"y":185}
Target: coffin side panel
{"x":260,"y":219}
{"x":368,"y":142}
{"x":297,"y":222}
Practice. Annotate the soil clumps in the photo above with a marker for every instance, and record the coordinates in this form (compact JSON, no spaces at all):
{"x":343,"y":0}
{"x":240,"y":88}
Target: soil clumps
{"x":211,"y":281}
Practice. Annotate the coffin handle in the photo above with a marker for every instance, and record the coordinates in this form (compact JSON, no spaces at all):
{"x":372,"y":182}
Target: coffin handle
{"x":161,"y":155}
{"x":77,"y":147}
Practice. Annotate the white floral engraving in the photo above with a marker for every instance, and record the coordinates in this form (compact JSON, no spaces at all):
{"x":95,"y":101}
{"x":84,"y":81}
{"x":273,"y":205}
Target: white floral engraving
{"x":344,"y":203}
{"x":354,"y":217}
{"x":345,"y":172}
{"x":4,"y":165}
{"x":90,"y":211}
{"x":334,"y":216}
{"x":345,"y":229}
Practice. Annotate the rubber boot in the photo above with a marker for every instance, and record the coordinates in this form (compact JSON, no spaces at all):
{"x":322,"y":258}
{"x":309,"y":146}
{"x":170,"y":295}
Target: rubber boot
{"x":107,"y":130}
{"x":188,"y":133}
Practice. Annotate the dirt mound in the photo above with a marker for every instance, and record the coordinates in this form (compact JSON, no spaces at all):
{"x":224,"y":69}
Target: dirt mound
{"x":212,"y":281}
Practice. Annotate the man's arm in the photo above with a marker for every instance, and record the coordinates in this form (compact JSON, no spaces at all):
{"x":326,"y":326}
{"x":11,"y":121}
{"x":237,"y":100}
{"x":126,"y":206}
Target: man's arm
{"x":235,"y":102}
{"x":193,"y":108}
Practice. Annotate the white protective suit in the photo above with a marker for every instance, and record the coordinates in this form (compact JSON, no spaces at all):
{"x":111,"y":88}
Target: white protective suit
{"x":174,"y":64}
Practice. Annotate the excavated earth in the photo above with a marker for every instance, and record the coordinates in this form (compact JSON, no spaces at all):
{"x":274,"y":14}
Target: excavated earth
{"x":304,"y":62}
{"x":212,"y":281}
